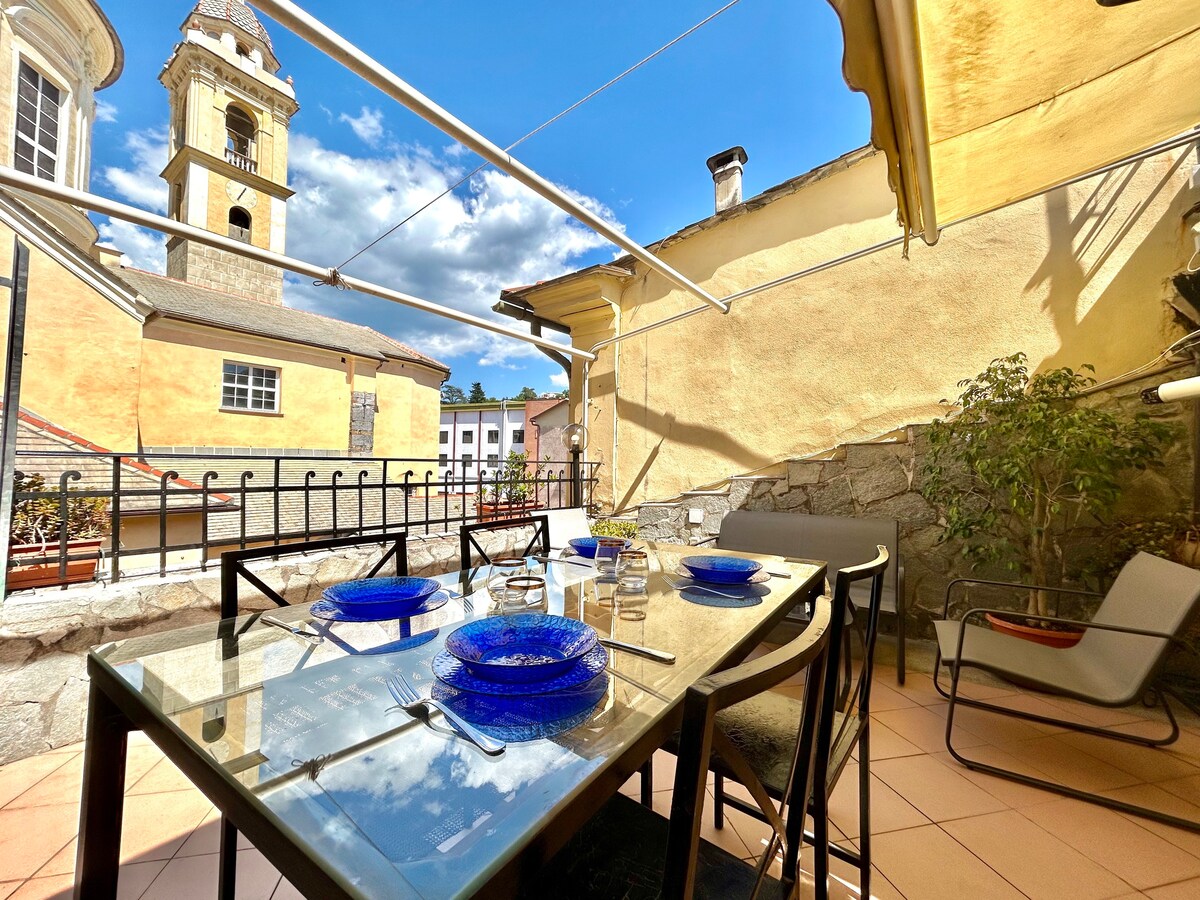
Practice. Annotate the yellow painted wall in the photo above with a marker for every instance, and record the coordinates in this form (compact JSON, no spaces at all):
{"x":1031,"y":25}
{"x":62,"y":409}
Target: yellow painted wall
{"x":408,"y":401}
{"x":1077,"y":276}
{"x":82,"y":353}
{"x":219,"y":206}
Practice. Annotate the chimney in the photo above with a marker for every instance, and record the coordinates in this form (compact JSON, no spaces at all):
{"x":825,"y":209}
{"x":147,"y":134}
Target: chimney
{"x":726,"y":168}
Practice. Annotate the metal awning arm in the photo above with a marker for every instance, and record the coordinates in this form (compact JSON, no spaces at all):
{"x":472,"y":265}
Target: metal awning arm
{"x":300,"y":23}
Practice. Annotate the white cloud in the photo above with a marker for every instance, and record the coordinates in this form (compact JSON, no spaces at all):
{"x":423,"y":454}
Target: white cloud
{"x":368,"y":125}
{"x":560,"y":380}
{"x":141,"y":183}
{"x":140,"y":247}
{"x":105,"y":111}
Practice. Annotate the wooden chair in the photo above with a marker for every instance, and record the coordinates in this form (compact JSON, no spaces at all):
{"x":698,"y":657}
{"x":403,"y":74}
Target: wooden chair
{"x":538,"y":543}
{"x":1116,"y":663}
{"x":630,"y":852}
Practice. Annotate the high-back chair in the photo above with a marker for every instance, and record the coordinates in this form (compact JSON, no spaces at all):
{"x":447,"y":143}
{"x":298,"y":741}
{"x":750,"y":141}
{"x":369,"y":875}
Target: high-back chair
{"x":473,"y":553}
{"x":628,"y":851}
{"x":765,"y":727}
{"x":1116,"y":663}
{"x":566,"y":524}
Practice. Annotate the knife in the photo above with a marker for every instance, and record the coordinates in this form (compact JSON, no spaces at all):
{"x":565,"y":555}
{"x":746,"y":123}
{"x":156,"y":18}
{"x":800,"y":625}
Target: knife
{"x":566,"y":562}
{"x":297,"y":630}
{"x":656,"y":655}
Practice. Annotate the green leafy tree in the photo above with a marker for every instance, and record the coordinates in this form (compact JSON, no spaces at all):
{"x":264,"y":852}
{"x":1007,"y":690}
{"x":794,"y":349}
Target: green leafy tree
{"x":477,"y":395}
{"x":452,"y":394}
{"x":1023,"y":464}
{"x":526,"y":393}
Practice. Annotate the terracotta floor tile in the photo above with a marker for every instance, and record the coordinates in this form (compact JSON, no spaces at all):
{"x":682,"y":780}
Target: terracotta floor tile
{"x":1011,"y":793}
{"x":889,"y":811}
{"x":1069,"y":766}
{"x":156,"y":825}
{"x":286,"y":891}
{"x":732,"y":788}
{"x":1153,"y":796}
{"x":30,"y":837}
{"x":1033,"y":859}
{"x":184,"y":878}
{"x":1147,"y":763}
{"x":925,"y":728}
{"x":885,"y":697}
{"x":664,"y":771}
{"x":1136,"y":855}
{"x":1035,"y":705}
{"x":135,"y":878}
{"x":886,"y":744}
{"x":62,"y":862}
{"x":7,"y":888}
{"x":163,"y":776}
{"x":18,"y":777}
{"x":54,"y":887}
{"x":939,"y":792}
{"x":1186,"y":890}
{"x":918,"y":687}
{"x":207,"y":837}
{"x":726,"y":838}
{"x":65,"y":784}
{"x":1103,"y":716}
{"x":996,"y":728}
{"x":927,"y":864}
{"x":844,"y":880}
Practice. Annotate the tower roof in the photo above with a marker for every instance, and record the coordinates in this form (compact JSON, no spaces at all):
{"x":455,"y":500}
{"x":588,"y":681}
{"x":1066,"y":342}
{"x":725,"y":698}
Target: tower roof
{"x":237,"y":13}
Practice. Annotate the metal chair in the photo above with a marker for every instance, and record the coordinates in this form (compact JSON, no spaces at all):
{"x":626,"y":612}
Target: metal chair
{"x":566,"y":524}
{"x":627,"y":851}
{"x":539,"y":542}
{"x":765,"y":727}
{"x":233,"y":567}
{"x":1117,"y":662}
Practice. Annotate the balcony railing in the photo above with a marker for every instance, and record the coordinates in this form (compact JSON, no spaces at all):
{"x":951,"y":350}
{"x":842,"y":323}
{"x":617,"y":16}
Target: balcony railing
{"x":240,"y":161}
{"x":176,"y":511}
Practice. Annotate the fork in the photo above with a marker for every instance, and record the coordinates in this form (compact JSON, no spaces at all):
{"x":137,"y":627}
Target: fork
{"x":418,"y":707}
{"x":696,"y":587}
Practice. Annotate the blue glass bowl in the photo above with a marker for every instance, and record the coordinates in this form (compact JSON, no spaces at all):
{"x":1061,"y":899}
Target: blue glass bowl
{"x":586,"y":546}
{"x":721,"y":569}
{"x":382,"y":598}
{"x":525,"y":647}
{"x":377,"y":612}
{"x":450,"y":669}
{"x":528,"y":717}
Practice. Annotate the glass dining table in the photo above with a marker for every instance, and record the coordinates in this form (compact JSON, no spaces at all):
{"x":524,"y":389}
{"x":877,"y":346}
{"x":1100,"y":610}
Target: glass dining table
{"x":302,"y":746}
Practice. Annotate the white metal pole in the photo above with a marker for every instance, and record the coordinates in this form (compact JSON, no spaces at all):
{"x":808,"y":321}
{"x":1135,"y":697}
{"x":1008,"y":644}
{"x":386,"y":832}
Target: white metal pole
{"x":299,"y":22}
{"x":12,"y":178}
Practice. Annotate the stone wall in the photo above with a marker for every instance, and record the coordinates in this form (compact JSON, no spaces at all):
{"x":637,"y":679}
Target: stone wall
{"x":884,"y":480}
{"x":222,"y":271}
{"x":45,"y":635}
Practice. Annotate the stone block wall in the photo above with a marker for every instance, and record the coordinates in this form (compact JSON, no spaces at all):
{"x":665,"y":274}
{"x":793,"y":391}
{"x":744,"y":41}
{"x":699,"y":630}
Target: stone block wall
{"x":884,"y":480}
{"x":220,"y":270}
{"x":45,"y":635}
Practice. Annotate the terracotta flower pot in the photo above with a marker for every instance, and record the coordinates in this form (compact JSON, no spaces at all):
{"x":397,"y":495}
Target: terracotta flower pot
{"x":494,"y":512}
{"x":1049,"y":637}
{"x":44,"y":574}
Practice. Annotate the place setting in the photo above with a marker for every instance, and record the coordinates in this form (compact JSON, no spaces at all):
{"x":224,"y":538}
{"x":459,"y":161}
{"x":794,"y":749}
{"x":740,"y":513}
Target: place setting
{"x":731,"y":582}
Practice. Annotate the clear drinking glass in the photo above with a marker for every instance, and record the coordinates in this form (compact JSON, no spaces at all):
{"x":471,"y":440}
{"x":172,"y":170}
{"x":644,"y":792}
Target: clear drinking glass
{"x":503,"y":568}
{"x":607,"y":552}
{"x":633,"y":568}
{"x":525,"y":592}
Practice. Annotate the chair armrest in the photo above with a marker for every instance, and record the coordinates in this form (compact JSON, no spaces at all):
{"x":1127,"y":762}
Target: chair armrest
{"x":705,"y":541}
{"x":1078,"y":623}
{"x":1010,"y":584}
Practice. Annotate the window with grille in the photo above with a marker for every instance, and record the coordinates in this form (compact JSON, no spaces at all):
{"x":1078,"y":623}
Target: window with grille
{"x":493,"y":437}
{"x":493,"y":459}
{"x":255,"y":388}
{"x":36,"y":146}
{"x":519,"y":436}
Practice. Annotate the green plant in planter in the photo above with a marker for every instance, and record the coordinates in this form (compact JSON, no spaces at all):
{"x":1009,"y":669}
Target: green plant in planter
{"x":513,"y":483}
{"x":1023,"y":464}
{"x":38,"y":520}
{"x":614,"y":528}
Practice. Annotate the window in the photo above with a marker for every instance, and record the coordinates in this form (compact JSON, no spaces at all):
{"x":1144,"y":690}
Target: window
{"x":239,"y":225}
{"x":519,"y":436}
{"x":467,"y":460}
{"x":177,"y":202}
{"x":36,"y":151}
{"x":243,"y":50}
{"x":493,"y":437}
{"x":444,"y":437}
{"x":468,"y":436}
{"x":249,"y":387}
{"x":443,"y":459}
{"x":493,"y":459}
{"x":239,"y":131}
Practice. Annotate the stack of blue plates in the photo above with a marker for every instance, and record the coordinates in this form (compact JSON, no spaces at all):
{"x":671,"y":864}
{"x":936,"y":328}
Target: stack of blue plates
{"x":732,"y":576}
{"x":522,"y":677}
{"x":380,"y":599}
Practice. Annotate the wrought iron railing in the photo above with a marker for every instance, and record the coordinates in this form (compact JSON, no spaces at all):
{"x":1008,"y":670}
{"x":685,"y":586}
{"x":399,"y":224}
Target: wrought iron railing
{"x":174,"y":511}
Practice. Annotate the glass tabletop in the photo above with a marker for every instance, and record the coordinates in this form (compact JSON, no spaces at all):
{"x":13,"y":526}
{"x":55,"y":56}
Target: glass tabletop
{"x":404,"y":807}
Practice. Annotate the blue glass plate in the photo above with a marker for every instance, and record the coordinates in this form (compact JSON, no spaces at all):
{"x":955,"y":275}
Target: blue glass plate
{"x":586,"y":546}
{"x":398,"y":592}
{"x":525,"y":647}
{"x":325,"y":609}
{"x":451,"y":670}
{"x":528,"y":717}
{"x":721,"y":569}
{"x":748,"y":595}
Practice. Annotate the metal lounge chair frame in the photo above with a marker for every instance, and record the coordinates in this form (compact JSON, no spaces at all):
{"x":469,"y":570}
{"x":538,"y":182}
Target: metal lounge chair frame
{"x":1147,"y":685}
{"x":539,"y":542}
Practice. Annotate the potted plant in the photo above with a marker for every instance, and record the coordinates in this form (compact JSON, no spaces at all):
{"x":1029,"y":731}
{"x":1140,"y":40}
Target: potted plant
{"x":513,"y":493}
{"x":36,"y":531}
{"x":1023,"y":465}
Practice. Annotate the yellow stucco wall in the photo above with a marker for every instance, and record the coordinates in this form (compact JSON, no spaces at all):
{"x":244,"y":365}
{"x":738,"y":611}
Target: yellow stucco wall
{"x":1077,"y":276}
{"x":82,"y":353}
{"x":408,"y":411}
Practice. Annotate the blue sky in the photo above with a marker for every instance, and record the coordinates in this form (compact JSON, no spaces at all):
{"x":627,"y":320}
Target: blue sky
{"x":766,"y":74}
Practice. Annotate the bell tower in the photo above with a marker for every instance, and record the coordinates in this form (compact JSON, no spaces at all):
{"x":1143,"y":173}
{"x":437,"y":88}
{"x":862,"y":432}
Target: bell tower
{"x":230,"y":114}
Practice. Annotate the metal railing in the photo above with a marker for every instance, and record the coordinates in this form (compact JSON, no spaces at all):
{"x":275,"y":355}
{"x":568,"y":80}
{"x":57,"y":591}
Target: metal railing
{"x":175,"y":511}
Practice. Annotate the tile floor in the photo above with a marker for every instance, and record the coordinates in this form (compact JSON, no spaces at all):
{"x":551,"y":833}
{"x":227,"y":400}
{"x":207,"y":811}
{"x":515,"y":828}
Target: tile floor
{"x":940,"y":831}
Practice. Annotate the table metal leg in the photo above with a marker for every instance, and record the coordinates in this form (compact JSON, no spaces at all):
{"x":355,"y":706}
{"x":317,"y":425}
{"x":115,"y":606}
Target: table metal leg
{"x":228,"y":869}
{"x":98,"y":859}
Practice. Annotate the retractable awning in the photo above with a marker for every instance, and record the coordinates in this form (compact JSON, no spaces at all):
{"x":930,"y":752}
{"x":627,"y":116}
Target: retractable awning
{"x":978,"y":103}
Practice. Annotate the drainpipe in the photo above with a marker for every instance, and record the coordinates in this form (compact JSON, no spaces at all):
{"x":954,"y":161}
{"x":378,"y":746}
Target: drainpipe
{"x":503,"y":426}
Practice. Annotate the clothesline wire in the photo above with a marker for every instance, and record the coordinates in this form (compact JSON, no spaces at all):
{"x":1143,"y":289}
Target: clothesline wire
{"x":574,"y":106}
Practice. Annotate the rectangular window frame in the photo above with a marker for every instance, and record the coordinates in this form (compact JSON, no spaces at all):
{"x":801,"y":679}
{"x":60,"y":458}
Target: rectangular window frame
{"x":240,"y":385}
{"x":443,"y":460}
{"x":45,"y":123}
{"x":468,"y":460}
{"x":518,"y":436}
{"x":468,"y":437}
{"x":493,"y":436}
{"x":443,"y":437}
{"x":493,"y":460}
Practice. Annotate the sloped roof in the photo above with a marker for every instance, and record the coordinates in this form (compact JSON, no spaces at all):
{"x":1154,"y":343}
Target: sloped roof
{"x":237,"y":13}
{"x":179,"y":300}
